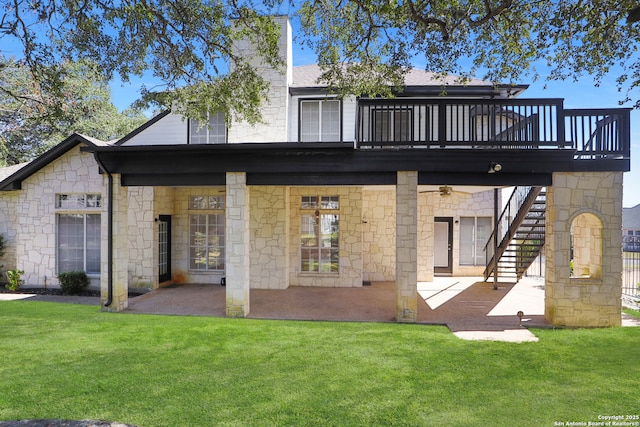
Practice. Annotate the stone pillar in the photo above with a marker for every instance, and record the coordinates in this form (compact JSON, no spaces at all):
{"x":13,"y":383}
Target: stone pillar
{"x":120,"y":242}
{"x":237,"y":245}
{"x":407,"y":246}
{"x":591,"y":297}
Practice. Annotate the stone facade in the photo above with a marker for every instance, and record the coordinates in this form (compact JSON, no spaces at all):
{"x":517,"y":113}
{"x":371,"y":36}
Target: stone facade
{"x":379,"y":234}
{"x":270,"y":251}
{"x":584,"y":201}
{"x":143,"y":242}
{"x":34,"y":229}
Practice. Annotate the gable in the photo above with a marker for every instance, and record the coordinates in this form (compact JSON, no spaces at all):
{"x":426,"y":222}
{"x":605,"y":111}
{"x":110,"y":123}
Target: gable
{"x":12,"y":177}
{"x":164,"y":129}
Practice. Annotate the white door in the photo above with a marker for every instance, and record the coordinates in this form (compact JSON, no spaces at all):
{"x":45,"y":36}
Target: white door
{"x":442,"y":245}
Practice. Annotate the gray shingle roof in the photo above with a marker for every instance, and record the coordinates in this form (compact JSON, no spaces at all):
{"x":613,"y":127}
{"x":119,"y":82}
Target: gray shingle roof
{"x":307,"y":76}
{"x":10,"y":170}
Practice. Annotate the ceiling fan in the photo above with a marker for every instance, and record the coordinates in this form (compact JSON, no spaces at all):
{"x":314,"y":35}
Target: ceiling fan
{"x":444,"y":191}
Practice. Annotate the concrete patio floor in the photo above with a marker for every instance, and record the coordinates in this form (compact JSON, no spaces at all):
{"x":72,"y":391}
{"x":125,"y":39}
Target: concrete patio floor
{"x":468,"y":306}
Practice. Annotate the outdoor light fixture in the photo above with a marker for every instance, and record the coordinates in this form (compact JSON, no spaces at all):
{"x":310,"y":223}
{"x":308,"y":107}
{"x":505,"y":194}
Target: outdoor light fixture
{"x":494,"y":167}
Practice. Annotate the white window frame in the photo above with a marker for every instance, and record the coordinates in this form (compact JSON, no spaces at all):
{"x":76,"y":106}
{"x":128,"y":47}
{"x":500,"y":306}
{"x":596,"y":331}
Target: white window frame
{"x":214,"y":132}
{"x":86,"y":206}
{"x":475,"y":243}
{"x":320,"y":234}
{"x":210,"y":215}
{"x":327,"y":130}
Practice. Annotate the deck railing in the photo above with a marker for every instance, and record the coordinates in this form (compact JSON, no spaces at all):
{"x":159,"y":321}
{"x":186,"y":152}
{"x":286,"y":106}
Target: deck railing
{"x":492,"y":124}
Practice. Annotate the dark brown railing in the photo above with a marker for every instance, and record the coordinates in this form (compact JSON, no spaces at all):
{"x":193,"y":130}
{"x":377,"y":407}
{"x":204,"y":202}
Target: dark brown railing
{"x":492,"y":124}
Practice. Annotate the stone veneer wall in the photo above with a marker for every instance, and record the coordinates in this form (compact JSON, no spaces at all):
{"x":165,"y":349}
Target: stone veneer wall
{"x":350,"y":238}
{"x":8,"y":229}
{"x":379,"y":238}
{"x":143,"y":249}
{"x":588,"y":301}
{"x":379,"y":234}
{"x":269,"y":207}
{"x":35,"y":213}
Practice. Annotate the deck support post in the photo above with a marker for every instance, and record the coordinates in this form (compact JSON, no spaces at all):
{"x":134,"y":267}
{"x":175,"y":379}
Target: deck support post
{"x":237,"y":245}
{"x":407,"y":246}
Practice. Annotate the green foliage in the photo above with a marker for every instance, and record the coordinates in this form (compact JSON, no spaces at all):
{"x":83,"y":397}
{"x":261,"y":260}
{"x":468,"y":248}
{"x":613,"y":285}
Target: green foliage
{"x":15,"y":280}
{"x":188,"y":46}
{"x":35,"y":115}
{"x":362,"y":46}
{"x":73,"y":282}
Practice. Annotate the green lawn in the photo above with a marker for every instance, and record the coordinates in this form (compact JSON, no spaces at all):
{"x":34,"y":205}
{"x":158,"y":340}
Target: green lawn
{"x":75,"y":362}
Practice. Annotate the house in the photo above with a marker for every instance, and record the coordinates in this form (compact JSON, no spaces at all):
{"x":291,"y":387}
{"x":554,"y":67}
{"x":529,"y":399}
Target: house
{"x":336,"y":193}
{"x":631,"y":229}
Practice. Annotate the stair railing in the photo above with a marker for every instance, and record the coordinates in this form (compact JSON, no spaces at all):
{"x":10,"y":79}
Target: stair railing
{"x":514,"y":212}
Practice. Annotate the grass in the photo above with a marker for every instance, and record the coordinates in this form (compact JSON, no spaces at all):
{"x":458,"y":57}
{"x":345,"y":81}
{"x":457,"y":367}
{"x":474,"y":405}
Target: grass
{"x":75,"y":362}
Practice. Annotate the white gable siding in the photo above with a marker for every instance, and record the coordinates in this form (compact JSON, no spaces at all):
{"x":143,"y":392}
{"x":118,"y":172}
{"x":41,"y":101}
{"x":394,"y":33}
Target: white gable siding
{"x":169,"y":130}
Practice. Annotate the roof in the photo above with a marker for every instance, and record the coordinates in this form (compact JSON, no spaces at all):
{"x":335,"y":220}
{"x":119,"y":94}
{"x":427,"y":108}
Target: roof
{"x":10,"y":170}
{"x":11,"y":177}
{"x":307,"y":77}
{"x":631,"y":217}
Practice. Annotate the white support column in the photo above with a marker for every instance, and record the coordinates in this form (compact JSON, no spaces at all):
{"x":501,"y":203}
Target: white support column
{"x":237,"y":245}
{"x":407,"y":246}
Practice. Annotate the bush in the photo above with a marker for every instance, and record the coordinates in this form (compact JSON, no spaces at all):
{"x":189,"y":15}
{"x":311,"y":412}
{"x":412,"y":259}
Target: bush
{"x":73,"y":282}
{"x":15,"y":280}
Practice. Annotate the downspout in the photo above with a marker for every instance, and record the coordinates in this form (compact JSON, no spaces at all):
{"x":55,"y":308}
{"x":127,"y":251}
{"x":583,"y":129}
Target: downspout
{"x":109,"y":232}
{"x":496,"y":224}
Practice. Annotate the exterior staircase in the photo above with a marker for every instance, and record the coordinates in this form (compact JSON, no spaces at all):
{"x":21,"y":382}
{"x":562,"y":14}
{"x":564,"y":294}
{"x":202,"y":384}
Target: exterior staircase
{"x":521,"y":234}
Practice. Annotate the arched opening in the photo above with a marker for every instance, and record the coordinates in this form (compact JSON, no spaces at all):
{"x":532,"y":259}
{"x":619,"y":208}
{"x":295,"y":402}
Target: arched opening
{"x":586,"y":246}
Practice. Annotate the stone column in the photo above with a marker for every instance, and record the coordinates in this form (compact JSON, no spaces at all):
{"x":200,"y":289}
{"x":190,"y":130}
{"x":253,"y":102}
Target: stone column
{"x":406,"y":246}
{"x":237,"y":245}
{"x":592,"y":299}
{"x":120,"y":245}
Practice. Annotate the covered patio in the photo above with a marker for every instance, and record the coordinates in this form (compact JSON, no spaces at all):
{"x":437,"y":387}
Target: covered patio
{"x":461,"y":303}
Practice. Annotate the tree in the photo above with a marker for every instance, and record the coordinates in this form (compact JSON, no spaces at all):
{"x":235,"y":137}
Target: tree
{"x":34,"y":116}
{"x":363,"y":46}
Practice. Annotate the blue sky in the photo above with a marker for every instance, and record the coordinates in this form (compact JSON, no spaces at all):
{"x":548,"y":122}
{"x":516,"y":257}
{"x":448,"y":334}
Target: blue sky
{"x":580,"y":94}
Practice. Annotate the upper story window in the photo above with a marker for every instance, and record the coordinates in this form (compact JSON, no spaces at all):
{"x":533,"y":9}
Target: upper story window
{"x":320,"y":120}
{"x":213,"y":132}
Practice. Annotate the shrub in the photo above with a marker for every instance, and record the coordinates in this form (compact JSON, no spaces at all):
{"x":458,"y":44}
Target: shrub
{"x":73,"y":282}
{"x":15,"y":280}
